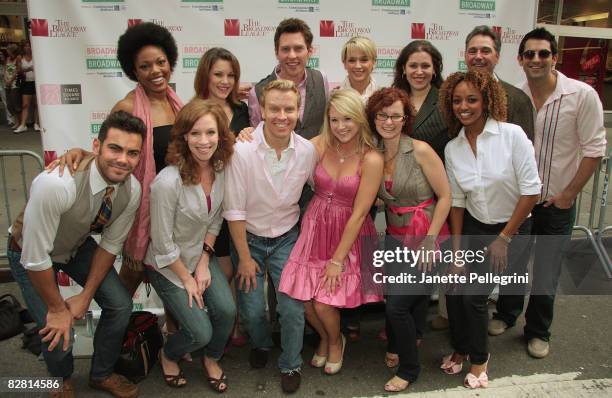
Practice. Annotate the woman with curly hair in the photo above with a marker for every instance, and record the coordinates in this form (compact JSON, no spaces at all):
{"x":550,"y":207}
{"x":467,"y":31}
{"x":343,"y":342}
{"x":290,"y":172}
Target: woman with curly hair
{"x":147,"y":53}
{"x":186,"y":199}
{"x":494,"y":182}
{"x":218,"y":79}
{"x":413,"y":174}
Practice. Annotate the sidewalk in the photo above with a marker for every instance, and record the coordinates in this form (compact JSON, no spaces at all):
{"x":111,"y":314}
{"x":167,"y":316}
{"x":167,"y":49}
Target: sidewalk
{"x":580,"y":362}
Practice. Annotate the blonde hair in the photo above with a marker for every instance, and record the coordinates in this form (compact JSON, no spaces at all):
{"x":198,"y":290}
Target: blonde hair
{"x":280,"y":85}
{"x":359,"y":43}
{"x":348,"y":103}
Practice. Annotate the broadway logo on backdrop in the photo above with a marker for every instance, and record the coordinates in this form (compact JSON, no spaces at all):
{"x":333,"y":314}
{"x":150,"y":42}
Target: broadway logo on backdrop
{"x":300,"y":6}
{"x":328,"y":28}
{"x":60,"y":94}
{"x":419,"y":30}
{"x":160,"y":22}
{"x":104,"y":5}
{"x":385,"y":60}
{"x":477,"y":8}
{"x":192,"y":54}
{"x":102,"y":61}
{"x":391,"y":7}
{"x":203,"y":5}
{"x":58,"y":28}
{"x":250,"y":27}
{"x":508,"y":35}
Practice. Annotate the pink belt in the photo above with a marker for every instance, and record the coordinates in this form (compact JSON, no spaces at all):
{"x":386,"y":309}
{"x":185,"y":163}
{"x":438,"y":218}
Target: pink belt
{"x":419,"y":224}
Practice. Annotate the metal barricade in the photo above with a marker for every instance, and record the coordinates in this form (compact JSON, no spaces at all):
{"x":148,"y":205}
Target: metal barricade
{"x":24,"y":181}
{"x":594,"y":233}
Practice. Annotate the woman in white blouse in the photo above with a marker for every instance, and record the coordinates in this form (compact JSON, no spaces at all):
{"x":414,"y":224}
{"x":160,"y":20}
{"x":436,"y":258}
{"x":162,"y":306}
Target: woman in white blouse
{"x":186,"y":200}
{"x":494,"y":182}
{"x":359,"y":58}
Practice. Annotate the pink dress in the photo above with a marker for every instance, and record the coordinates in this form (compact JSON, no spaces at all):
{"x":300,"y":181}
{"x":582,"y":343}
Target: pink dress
{"x":321,"y":231}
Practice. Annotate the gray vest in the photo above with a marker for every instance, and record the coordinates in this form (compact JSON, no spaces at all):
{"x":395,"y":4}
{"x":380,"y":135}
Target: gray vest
{"x":74,"y":224}
{"x":314,"y":105}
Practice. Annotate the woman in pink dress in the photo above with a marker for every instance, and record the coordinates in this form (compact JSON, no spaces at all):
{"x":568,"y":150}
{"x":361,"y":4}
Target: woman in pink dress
{"x":330,"y":265}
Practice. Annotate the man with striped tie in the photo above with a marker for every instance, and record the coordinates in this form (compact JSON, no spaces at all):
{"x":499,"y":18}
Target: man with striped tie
{"x":53,"y":233}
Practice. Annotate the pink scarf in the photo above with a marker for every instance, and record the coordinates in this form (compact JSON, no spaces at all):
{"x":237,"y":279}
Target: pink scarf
{"x":138,"y":238}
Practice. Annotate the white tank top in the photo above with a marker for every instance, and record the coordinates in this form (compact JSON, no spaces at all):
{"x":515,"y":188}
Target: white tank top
{"x":29,"y":75}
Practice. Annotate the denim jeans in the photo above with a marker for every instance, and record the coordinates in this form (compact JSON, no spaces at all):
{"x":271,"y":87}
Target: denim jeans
{"x":271,"y":255}
{"x":111,"y":296}
{"x":551,"y":228}
{"x":198,"y":328}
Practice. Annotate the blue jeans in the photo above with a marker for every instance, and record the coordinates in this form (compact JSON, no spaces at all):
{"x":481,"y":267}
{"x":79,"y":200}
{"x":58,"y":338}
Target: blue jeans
{"x":111,"y":296}
{"x":198,"y":328}
{"x":271,"y":255}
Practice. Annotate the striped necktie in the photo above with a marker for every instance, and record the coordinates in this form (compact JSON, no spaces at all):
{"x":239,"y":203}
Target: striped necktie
{"x":104,"y":214}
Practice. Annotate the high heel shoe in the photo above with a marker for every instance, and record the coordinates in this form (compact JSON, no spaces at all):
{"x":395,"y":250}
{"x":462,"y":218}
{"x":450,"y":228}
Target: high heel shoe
{"x":331,"y":368}
{"x":451,"y":367}
{"x":482,"y":381}
{"x":318,"y":361}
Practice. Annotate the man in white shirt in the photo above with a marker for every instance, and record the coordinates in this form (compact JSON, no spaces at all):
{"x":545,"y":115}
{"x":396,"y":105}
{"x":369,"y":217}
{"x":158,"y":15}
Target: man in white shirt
{"x":569,"y":141}
{"x":54,"y":233}
{"x":263,"y":184}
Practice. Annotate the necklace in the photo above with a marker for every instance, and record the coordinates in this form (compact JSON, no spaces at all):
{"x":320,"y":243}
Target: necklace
{"x":344,"y":157}
{"x":392,"y":157}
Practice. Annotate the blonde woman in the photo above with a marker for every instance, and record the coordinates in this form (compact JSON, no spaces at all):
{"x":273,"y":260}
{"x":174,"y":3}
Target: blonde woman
{"x":359,"y":59}
{"x":324,"y":268}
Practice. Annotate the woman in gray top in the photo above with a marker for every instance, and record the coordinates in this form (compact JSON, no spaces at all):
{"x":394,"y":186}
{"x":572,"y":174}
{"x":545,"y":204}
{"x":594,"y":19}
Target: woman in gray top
{"x":186,"y":199}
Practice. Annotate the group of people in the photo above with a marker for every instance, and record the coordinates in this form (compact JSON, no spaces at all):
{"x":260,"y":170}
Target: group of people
{"x":18,"y":88}
{"x":209,"y":199}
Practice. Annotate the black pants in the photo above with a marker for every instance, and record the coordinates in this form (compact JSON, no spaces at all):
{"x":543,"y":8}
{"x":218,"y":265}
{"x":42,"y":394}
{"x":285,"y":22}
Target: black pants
{"x":405,"y":314}
{"x":468,"y":314}
{"x":553,"y":227}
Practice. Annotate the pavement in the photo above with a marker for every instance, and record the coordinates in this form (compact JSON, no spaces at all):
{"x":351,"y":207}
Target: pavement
{"x":579,"y":364}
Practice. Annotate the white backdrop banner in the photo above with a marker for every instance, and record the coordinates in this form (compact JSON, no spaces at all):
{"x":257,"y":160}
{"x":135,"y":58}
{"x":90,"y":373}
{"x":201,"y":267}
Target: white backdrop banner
{"x":79,"y":79}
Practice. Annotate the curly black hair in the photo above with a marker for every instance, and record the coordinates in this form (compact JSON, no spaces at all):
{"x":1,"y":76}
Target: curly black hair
{"x":139,"y":36}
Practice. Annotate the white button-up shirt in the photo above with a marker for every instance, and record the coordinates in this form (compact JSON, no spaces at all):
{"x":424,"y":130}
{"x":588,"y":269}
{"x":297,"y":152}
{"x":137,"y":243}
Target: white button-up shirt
{"x":50,"y":197}
{"x":180,"y":220}
{"x":277,"y":167}
{"x":250,"y":192}
{"x":567,"y":127}
{"x":489,"y":184}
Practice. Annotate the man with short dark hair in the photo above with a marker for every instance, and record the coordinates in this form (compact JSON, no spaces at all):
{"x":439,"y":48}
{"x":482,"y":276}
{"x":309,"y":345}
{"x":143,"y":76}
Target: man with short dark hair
{"x":570,"y":140}
{"x":482,"y":49}
{"x":293,"y":48}
{"x":53,"y":233}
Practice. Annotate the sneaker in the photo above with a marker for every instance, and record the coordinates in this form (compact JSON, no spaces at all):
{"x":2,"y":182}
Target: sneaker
{"x":290,"y":381}
{"x":439,"y":323}
{"x":117,"y":385}
{"x":497,"y":327}
{"x":258,"y":358}
{"x":20,"y":129}
{"x":538,"y":348}
{"x":36,"y":127}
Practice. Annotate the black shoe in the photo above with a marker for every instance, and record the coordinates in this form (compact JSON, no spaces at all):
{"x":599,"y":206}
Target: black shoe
{"x":290,"y":381}
{"x":258,"y":358}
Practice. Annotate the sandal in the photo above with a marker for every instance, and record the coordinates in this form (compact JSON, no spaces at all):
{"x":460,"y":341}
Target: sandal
{"x":391,"y":360}
{"x":451,"y":367}
{"x":392,"y":387}
{"x":215,"y":384}
{"x":174,"y":381}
